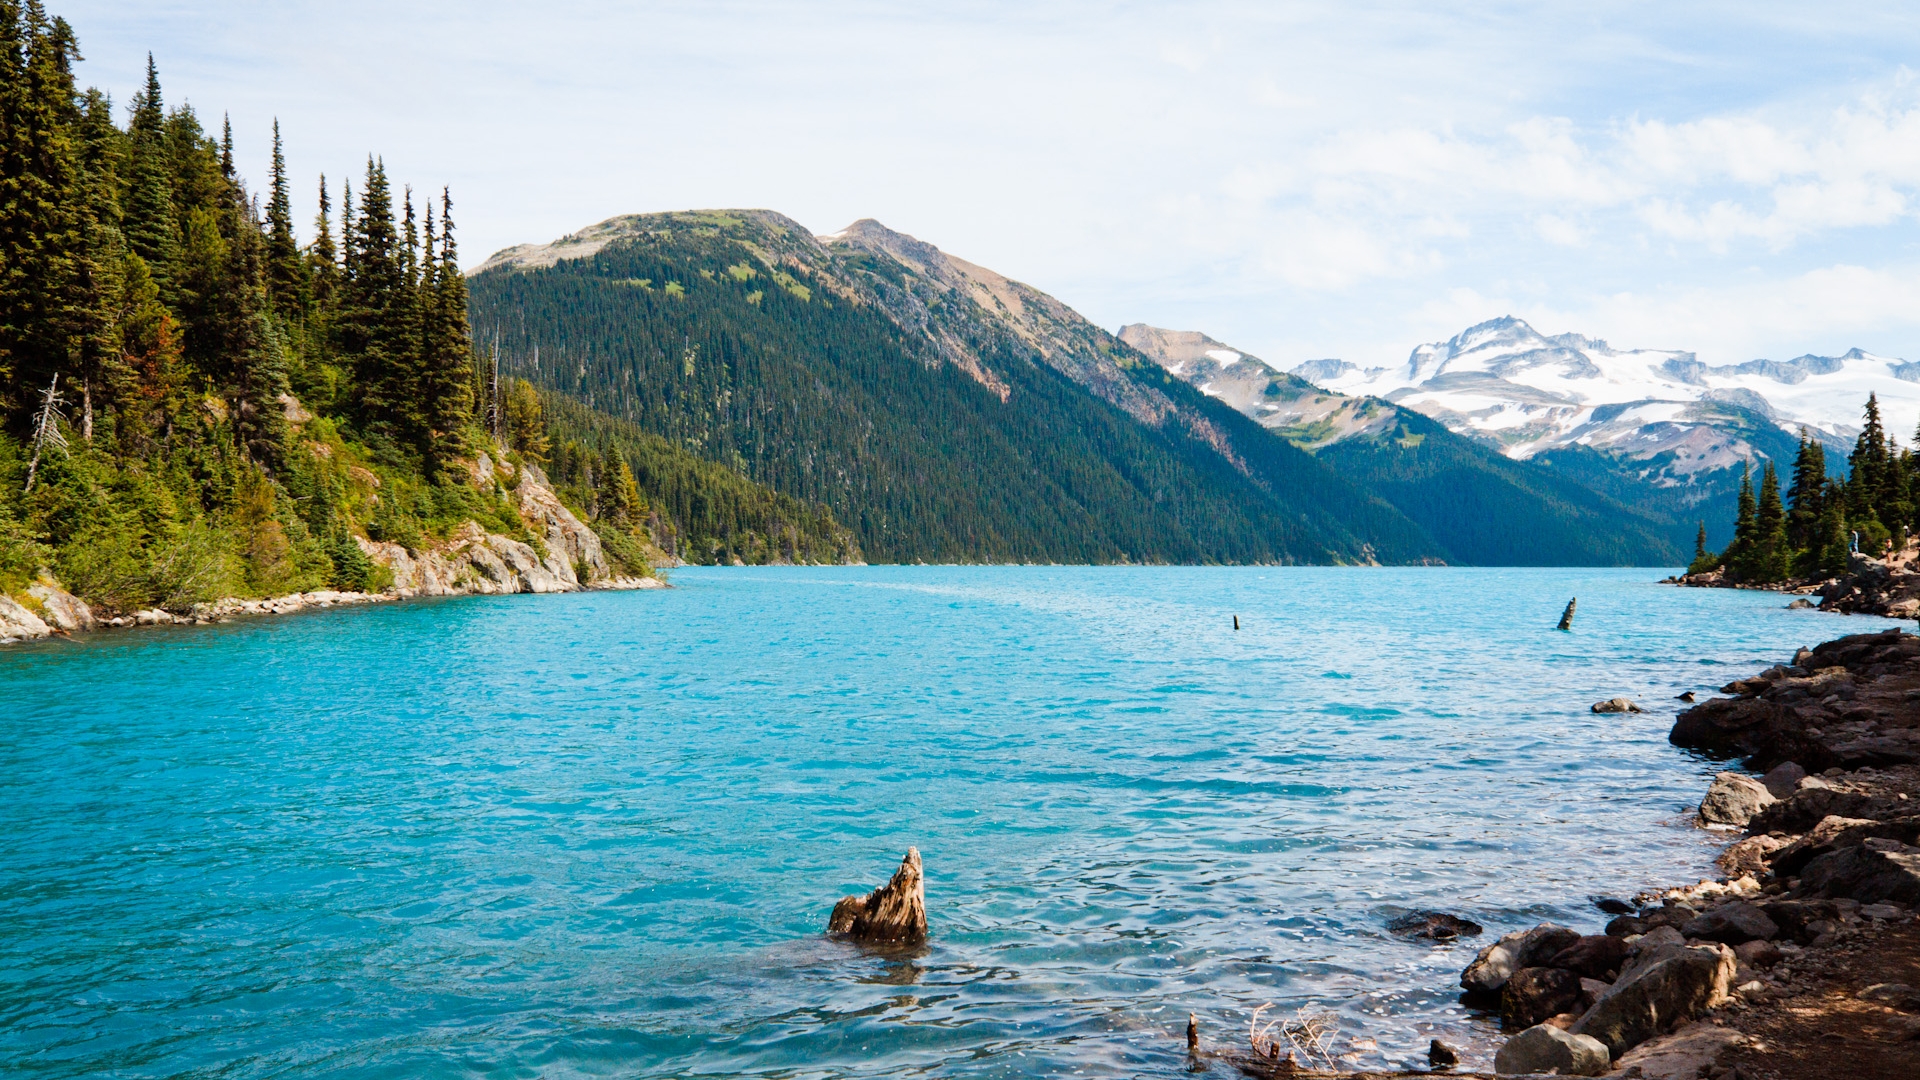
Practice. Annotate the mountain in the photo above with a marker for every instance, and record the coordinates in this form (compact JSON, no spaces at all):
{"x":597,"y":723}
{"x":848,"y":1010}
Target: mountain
{"x":1656,"y":428}
{"x":939,"y":410}
{"x":1480,"y":506}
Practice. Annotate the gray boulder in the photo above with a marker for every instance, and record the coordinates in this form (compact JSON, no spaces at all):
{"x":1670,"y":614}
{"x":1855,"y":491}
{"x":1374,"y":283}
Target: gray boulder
{"x":1496,"y":963}
{"x":1545,"y":1049}
{"x":1784,"y":779}
{"x":1877,"y":870}
{"x":1662,"y":988}
{"x":1596,"y":956}
{"x":1618,"y":704}
{"x":1533,"y":994}
{"x":895,"y":913}
{"x":1733,"y":799}
{"x":1733,"y":924}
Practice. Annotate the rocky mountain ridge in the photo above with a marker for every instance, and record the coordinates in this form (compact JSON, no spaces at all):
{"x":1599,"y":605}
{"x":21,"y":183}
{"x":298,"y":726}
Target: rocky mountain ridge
{"x":741,"y":335}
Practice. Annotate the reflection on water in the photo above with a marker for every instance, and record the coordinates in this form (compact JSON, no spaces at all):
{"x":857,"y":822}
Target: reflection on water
{"x":600,"y":835}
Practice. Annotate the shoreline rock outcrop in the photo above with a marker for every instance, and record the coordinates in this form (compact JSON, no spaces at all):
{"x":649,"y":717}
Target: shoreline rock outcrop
{"x":566,"y":556}
{"x":893,"y":914}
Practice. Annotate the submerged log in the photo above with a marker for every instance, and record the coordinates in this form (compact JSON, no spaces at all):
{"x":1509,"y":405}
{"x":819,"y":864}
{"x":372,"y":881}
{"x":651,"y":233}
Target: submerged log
{"x":895,"y":913}
{"x":1566,"y":617}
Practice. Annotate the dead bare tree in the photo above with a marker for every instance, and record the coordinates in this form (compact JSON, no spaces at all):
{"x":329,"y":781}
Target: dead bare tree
{"x":1308,"y":1034}
{"x":46,"y":430}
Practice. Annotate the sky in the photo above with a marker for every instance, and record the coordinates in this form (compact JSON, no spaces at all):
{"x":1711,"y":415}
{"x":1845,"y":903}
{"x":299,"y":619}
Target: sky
{"x":1300,"y":180}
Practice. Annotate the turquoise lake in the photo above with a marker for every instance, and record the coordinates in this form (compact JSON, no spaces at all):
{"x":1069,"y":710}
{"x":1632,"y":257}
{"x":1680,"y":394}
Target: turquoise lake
{"x":599,"y":834}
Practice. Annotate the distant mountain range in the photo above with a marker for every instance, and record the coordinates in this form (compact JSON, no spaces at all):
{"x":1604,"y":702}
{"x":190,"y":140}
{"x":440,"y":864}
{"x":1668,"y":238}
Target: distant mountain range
{"x":946,"y":413}
{"x":1658,"y":430}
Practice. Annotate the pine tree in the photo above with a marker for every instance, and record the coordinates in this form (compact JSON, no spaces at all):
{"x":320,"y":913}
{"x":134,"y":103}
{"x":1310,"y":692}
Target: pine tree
{"x":323,"y":277}
{"x":286,"y":273}
{"x":448,"y":355}
{"x":1771,"y":560}
{"x":376,"y":330}
{"x":48,"y":303}
{"x":151,"y":223}
{"x":1866,"y":481}
{"x":251,"y":342}
{"x":1807,"y":495}
{"x":1739,"y":554}
{"x":1700,"y":543}
{"x":526,"y":423}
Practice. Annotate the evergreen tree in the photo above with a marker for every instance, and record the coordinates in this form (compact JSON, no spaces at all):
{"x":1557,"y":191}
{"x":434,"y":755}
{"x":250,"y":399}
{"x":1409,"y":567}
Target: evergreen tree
{"x":286,"y":273}
{"x":1771,"y":558}
{"x":526,"y":424}
{"x":45,"y":294}
{"x":1739,"y":553}
{"x":447,"y":348}
{"x":1807,"y":495}
{"x":250,"y":340}
{"x":1867,"y":479}
{"x":376,"y":322}
{"x":151,"y":227}
{"x":1700,"y":543}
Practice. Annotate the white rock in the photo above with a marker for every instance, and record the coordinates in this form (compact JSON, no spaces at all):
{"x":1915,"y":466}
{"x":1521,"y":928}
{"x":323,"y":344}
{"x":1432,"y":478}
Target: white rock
{"x":1544,"y":1048}
{"x":18,"y":623}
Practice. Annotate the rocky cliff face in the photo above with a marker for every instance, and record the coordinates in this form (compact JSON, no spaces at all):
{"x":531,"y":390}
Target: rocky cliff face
{"x":569,"y":557}
{"x":566,"y":557}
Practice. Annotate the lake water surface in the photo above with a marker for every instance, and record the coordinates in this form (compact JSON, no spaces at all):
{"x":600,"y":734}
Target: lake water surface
{"x":599,"y":835}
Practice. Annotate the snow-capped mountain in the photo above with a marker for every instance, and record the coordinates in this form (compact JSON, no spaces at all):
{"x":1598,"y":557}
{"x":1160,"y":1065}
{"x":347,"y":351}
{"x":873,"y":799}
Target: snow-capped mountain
{"x":1665,"y":413}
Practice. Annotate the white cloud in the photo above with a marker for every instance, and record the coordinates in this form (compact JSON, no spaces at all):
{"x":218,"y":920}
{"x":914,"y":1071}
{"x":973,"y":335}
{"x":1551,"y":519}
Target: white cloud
{"x":1300,"y":178}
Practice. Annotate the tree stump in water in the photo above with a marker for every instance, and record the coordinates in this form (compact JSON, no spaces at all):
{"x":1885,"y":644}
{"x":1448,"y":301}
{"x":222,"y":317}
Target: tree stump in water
{"x":895,"y":913}
{"x":1566,"y":617}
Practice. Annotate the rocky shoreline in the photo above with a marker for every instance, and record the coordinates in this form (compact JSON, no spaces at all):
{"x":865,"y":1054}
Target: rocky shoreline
{"x":565,"y":556}
{"x":1808,"y":947}
{"x":1806,"y":951}
{"x":1888,"y":587}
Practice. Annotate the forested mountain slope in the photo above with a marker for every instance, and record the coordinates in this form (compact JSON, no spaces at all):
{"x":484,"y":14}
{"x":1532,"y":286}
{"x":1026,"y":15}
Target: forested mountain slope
{"x":1482,"y":507}
{"x":938,"y":410}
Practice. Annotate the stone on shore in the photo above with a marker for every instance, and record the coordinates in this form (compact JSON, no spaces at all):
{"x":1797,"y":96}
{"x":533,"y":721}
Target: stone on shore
{"x":1749,"y":856}
{"x":1595,"y":956}
{"x":1874,"y":871}
{"x":1441,"y":1056}
{"x":65,"y":612}
{"x":895,"y":913}
{"x":1496,"y":963}
{"x":1618,"y":704}
{"x":1533,"y":994}
{"x":1733,"y":924}
{"x":1547,"y":1049}
{"x":1733,"y":799}
{"x":1784,"y":779}
{"x":1663,"y":987}
{"x":18,"y":623}
{"x":1758,"y":955}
